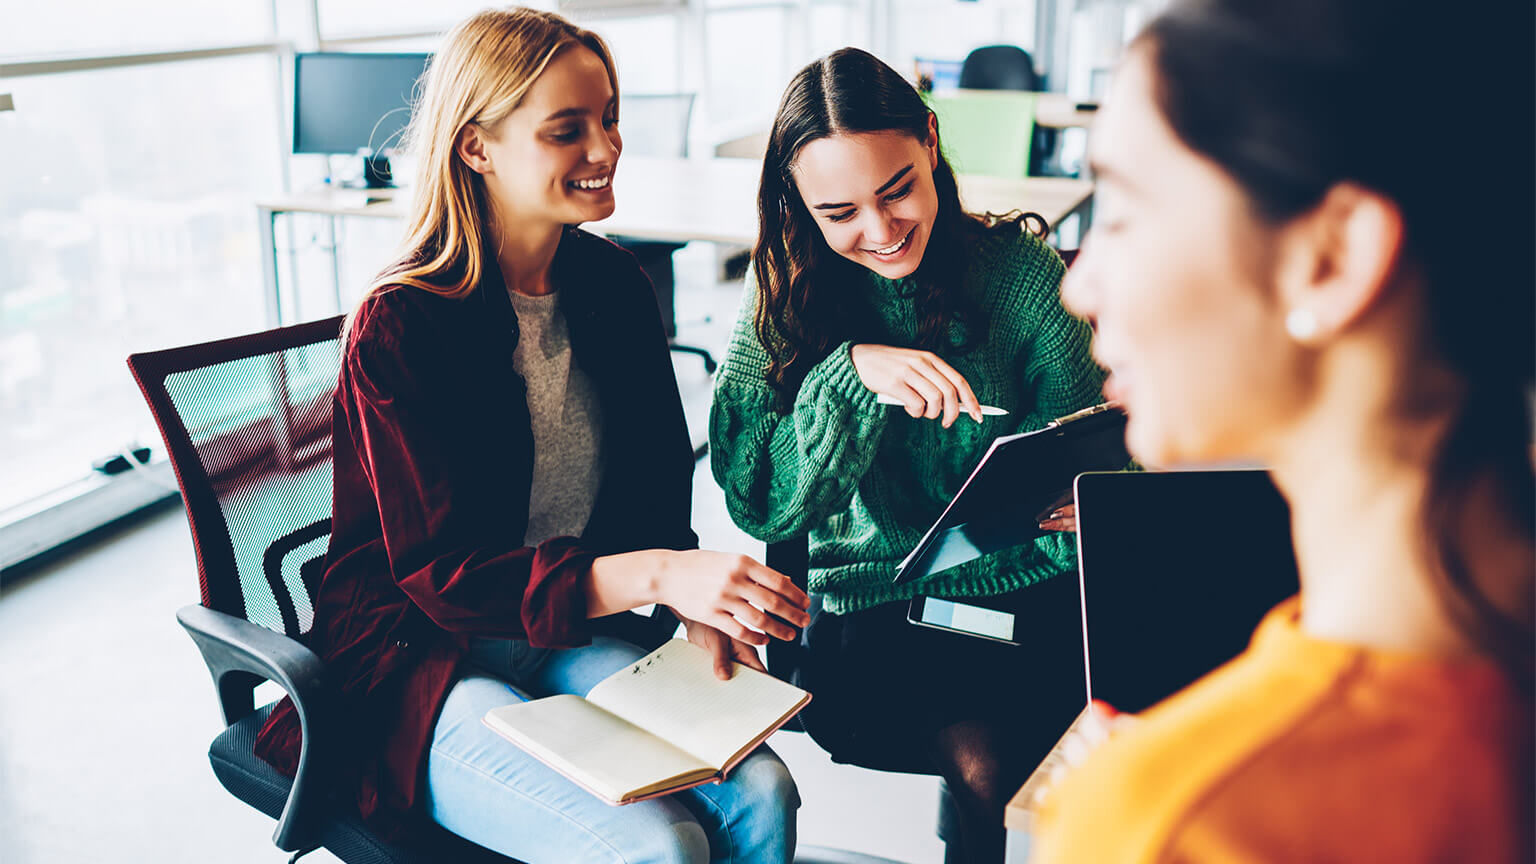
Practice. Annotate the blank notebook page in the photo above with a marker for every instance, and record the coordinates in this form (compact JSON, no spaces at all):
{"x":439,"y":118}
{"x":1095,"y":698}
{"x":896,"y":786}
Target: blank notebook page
{"x":674,"y":694}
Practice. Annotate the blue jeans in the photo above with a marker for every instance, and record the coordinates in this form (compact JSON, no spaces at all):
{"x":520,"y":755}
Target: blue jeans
{"x":485,"y":789}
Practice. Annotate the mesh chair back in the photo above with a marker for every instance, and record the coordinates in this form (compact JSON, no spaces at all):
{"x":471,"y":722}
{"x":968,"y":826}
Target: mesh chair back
{"x":656,"y":124}
{"x":247,"y":425}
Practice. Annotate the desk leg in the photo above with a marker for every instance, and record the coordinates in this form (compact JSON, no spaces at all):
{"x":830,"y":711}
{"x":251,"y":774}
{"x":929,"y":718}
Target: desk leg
{"x":336,"y":262}
{"x":267,"y":221}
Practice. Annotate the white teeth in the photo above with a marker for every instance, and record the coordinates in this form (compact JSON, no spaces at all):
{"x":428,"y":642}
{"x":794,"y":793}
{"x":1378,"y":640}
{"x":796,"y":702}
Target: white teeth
{"x":598,"y":183}
{"x":890,"y":250}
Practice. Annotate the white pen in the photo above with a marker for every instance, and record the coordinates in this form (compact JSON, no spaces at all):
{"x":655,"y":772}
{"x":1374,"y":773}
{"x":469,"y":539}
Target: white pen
{"x":986,"y":410}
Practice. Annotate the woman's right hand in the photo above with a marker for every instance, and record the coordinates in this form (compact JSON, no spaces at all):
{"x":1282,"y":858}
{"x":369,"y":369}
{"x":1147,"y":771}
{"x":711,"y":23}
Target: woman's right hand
{"x":731,"y":593}
{"x":920,"y":380}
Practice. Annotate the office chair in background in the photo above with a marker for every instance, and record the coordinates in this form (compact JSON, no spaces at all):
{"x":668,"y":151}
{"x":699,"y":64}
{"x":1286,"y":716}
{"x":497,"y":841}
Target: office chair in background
{"x":999,"y":67}
{"x":657,"y":125}
{"x":1008,"y":67}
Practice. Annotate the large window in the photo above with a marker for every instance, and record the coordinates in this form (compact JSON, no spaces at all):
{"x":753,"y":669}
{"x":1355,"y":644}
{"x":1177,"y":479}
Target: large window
{"x":126,"y":224}
{"x":79,"y":27}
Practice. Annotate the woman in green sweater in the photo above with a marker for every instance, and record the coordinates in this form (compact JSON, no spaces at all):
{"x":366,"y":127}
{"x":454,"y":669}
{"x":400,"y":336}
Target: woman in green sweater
{"x":870,"y":280}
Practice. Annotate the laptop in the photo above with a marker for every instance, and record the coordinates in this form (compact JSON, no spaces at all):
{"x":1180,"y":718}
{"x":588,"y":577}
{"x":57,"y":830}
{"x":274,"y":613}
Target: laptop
{"x":1176,"y":570}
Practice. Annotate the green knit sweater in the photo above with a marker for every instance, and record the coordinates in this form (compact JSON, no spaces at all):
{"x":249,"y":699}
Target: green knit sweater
{"x":865,"y":480}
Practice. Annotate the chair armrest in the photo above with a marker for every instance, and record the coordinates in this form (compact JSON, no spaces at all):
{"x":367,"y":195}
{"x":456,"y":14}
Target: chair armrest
{"x":240,"y":655}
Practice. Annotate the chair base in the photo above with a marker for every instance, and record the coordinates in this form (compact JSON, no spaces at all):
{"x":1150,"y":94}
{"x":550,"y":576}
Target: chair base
{"x":260,"y":785}
{"x":709,"y":361}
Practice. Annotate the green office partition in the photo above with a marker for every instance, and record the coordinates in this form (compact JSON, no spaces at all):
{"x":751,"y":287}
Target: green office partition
{"x":985,"y":132}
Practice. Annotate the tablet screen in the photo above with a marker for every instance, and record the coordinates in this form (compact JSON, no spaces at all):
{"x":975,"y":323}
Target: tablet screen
{"x":1177,"y":568}
{"x":1021,"y":478}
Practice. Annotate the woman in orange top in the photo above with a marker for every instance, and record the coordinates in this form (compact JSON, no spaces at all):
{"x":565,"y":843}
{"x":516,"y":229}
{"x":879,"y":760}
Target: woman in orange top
{"x":1272,"y":279}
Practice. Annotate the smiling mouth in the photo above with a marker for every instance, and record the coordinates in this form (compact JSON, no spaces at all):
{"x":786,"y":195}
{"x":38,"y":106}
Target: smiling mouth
{"x":592,"y":184}
{"x":892,"y":250}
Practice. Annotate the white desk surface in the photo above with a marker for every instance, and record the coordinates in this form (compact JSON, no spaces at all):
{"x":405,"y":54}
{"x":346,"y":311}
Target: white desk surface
{"x":702,"y":199}
{"x":1056,"y":110}
{"x":1060,"y":111}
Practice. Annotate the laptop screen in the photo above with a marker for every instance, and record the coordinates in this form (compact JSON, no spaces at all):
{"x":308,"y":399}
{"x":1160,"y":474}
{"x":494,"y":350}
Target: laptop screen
{"x":1177,"y":570}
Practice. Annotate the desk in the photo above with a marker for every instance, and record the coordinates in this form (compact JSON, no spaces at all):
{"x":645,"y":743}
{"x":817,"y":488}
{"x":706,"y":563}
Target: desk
{"x":1060,"y":111}
{"x":675,"y":200}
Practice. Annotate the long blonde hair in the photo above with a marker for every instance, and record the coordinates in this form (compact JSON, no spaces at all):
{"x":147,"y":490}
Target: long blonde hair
{"x":480,"y":75}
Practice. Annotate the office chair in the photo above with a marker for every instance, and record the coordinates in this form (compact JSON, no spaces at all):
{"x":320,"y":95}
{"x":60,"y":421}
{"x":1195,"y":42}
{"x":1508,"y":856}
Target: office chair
{"x":1009,"y":67}
{"x":247,"y":424}
{"x":792,"y":558}
{"x":999,"y":67}
{"x":657,"y":125}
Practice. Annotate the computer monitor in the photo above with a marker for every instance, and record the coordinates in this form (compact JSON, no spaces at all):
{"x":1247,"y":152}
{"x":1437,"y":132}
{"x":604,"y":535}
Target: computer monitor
{"x":349,"y":102}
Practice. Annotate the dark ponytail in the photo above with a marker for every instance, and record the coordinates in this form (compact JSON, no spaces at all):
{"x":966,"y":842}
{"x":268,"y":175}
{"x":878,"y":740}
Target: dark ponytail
{"x":1292,"y":98}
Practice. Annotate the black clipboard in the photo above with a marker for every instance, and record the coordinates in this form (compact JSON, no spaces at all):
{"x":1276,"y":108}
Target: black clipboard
{"x":1020,"y":480}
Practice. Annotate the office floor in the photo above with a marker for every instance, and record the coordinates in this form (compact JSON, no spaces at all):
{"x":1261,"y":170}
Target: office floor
{"x":106,"y":709}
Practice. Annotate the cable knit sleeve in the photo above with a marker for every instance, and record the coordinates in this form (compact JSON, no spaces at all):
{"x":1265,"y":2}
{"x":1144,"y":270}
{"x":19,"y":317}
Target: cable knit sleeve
{"x":783,"y":474}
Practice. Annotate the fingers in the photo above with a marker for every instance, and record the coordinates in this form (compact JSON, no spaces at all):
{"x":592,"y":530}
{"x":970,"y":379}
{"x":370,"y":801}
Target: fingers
{"x":927,"y":385}
{"x":775,"y":604}
{"x":724,"y":648}
{"x":782,"y":586}
{"x":1061,"y":519}
{"x":948,"y":392}
{"x":933,"y":398}
{"x":727,"y":624}
{"x":967,"y":396}
{"x":753,"y":617}
{"x":911,"y":401}
{"x":747,"y":656}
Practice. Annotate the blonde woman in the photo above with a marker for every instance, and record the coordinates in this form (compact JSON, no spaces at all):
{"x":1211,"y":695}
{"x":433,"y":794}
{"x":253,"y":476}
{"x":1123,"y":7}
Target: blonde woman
{"x":511,"y":464}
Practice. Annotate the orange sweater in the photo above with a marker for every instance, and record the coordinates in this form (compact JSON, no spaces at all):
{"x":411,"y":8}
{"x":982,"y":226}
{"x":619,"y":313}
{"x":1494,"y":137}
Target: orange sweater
{"x":1306,"y":750}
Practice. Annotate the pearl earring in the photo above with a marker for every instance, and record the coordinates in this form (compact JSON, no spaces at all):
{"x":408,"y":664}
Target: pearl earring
{"x":1301,"y":323}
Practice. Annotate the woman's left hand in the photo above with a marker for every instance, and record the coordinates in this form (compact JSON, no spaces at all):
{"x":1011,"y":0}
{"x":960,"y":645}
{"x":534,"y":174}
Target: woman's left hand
{"x":1063,"y":518}
{"x":723,"y":648}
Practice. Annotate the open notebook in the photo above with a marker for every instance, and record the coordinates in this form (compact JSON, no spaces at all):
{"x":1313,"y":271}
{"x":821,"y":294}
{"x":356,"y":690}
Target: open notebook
{"x":662,"y":724}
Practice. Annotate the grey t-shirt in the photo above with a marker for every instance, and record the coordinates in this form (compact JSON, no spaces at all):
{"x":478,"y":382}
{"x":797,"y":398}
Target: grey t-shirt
{"x":567,"y":435}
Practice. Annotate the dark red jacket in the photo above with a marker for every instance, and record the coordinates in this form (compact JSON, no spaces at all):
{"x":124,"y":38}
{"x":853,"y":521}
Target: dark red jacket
{"x":434,"y":460}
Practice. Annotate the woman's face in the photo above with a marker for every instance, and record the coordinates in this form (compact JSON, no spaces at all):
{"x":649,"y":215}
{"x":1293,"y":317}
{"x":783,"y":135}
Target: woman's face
{"x":552,"y":159}
{"x":872,"y":196}
{"x":1178,"y":277}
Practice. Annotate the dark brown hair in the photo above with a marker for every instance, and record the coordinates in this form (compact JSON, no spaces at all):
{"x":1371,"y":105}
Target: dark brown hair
{"x":804,"y":308}
{"x":1292,"y":98}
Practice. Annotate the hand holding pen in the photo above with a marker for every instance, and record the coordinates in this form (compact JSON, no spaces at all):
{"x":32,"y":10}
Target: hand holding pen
{"x":919,"y":381}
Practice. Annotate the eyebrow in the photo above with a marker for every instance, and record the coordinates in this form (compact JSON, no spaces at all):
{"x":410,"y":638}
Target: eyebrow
{"x":895,"y":178}
{"x":568,"y":112}
{"x":575,"y":111}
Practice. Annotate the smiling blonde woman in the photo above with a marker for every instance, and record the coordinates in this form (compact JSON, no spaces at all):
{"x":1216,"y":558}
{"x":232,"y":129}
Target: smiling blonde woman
{"x":512,"y":466}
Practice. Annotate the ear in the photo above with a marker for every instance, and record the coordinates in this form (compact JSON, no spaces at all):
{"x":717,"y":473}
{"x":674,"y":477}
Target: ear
{"x":1337,"y":260}
{"x":933,"y":141}
{"x":470,"y":147}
